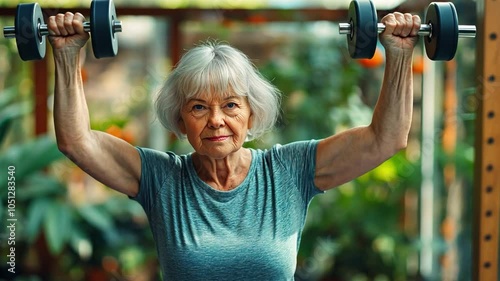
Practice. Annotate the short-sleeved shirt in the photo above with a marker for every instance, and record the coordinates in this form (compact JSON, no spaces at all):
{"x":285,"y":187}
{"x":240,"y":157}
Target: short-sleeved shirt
{"x":249,"y":233}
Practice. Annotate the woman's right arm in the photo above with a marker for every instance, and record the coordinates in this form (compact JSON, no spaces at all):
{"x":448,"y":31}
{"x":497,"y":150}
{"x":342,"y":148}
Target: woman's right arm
{"x":108,"y":159}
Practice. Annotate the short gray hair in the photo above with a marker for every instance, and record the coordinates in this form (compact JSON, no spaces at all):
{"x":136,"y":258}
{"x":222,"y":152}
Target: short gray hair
{"x":221,"y":70}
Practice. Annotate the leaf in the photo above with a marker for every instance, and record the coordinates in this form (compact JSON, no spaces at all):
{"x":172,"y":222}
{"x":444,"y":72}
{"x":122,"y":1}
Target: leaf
{"x":41,"y":185}
{"x":10,"y":113}
{"x":80,"y":242}
{"x":57,"y":226}
{"x":2,"y":214}
{"x":66,"y":221}
{"x":35,"y":217}
{"x":96,"y":217}
{"x":30,"y":157}
{"x":7,"y":97}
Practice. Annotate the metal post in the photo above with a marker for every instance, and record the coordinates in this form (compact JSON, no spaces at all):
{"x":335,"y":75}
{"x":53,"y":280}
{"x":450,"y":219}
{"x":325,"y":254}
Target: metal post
{"x":427,"y":192}
{"x":487,"y":155}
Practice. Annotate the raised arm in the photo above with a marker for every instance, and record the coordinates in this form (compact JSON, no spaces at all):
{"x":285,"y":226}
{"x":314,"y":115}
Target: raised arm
{"x":108,"y":159}
{"x":350,"y":154}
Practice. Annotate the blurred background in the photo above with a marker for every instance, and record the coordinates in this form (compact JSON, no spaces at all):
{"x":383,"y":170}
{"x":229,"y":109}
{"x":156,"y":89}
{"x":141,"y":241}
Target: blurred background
{"x":409,"y":219}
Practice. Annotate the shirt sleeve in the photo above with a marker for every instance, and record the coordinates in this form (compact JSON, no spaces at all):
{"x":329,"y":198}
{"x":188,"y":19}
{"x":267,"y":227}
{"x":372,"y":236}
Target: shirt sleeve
{"x":299,"y":159}
{"x":155,"y":168}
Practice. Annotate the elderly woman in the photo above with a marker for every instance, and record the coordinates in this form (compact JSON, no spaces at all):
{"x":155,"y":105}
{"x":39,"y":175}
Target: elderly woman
{"x":225,"y":212}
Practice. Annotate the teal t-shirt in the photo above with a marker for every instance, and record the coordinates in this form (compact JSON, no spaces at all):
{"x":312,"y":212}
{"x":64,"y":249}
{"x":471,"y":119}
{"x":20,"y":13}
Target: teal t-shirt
{"x":249,"y":233}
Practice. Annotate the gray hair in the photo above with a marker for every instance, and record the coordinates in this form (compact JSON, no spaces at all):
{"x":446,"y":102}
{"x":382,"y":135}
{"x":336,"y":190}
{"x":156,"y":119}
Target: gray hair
{"x":217,"y":69}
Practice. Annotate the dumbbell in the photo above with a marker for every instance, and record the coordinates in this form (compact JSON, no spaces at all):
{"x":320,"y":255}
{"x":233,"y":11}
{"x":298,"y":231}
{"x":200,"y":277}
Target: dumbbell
{"x":440,"y":28}
{"x":30,"y":30}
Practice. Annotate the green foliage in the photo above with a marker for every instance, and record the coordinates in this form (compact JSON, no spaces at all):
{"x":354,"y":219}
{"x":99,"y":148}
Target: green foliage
{"x":9,"y":111}
{"x":30,"y":157}
{"x":355,"y":230}
{"x":363,"y":218}
{"x":316,"y":82}
{"x":80,"y":233}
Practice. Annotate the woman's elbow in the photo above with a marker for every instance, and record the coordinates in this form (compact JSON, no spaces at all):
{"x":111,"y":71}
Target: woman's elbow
{"x":389,"y":145}
{"x":70,"y":147}
{"x":402,"y":143}
{"x":65,"y":148}
{"x":389,"y":149}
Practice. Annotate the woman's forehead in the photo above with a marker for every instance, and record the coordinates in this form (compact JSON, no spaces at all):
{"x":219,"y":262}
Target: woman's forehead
{"x":216,"y":97}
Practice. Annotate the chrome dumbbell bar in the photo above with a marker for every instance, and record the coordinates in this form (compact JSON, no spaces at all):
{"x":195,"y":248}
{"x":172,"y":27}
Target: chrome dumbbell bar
{"x":43,"y":29}
{"x":464,"y":31}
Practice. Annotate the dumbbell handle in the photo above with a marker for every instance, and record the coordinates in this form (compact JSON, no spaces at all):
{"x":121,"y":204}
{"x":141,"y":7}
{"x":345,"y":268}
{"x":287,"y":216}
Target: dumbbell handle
{"x":467,"y":31}
{"x":43,"y":29}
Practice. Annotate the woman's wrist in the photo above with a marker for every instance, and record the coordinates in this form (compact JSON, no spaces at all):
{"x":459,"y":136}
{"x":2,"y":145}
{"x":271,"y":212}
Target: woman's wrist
{"x":405,"y":54}
{"x":68,"y":53}
{"x":68,"y":58}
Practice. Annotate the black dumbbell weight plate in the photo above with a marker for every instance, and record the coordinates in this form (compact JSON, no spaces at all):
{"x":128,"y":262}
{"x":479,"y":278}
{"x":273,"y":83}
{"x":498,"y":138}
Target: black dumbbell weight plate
{"x":362,"y":41}
{"x":30,"y":44}
{"x":104,"y":41}
{"x":442,"y":44}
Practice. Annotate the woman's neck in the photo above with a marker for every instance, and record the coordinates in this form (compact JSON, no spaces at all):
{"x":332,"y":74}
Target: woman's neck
{"x":223,"y":174}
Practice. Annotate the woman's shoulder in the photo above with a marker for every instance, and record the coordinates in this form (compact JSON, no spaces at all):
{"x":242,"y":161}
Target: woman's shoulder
{"x":286,"y":153}
{"x":156,"y":157}
{"x":288,"y":148}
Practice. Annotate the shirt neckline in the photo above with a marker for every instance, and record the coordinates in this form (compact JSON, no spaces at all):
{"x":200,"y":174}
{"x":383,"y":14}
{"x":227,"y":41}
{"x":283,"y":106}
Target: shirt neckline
{"x":219,"y":194}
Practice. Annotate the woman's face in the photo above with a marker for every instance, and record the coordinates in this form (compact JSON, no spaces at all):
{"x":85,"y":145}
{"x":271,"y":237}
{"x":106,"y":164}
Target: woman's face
{"x":216,"y":126}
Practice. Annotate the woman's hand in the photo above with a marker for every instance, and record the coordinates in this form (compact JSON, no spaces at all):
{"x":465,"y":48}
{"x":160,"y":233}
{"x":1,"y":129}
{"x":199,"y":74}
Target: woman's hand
{"x":66,"y":31}
{"x":401,"y":33}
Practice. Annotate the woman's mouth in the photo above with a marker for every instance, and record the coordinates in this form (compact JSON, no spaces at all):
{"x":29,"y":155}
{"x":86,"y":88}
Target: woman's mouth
{"x":218,"y":138}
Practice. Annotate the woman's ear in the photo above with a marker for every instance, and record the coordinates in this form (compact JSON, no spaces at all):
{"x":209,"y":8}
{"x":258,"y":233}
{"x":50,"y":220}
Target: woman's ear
{"x":250,"y":121}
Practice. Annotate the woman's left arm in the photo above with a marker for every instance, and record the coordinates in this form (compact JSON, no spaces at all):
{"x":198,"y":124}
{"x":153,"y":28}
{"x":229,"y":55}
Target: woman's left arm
{"x":348,"y":155}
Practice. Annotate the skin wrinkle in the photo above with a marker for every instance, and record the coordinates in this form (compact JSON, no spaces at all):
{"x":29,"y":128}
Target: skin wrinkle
{"x":384,"y":131}
{"x":221,"y":164}
{"x":229,"y":72}
{"x":66,"y":104}
{"x":401,"y":59}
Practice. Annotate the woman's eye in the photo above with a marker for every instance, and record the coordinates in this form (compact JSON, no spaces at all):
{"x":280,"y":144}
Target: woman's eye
{"x":198,"y":107}
{"x":231,"y":105}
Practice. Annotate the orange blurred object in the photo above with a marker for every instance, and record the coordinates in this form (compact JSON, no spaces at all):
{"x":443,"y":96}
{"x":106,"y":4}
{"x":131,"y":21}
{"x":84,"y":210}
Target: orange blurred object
{"x":114,"y":131}
{"x":448,"y":229}
{"x":128,"y":137}
{"x":418,"y":64}
{"x":85,"y":74}
{"x":110,"y":264}
{"x":376,"y":61}
{"x":257,"y":19}
{"x":227,"y":23}
{"x":120,"y":133}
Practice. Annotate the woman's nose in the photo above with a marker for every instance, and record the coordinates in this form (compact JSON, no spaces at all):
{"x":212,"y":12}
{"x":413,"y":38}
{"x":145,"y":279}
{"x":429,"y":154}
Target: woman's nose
{"x":216,"y":119}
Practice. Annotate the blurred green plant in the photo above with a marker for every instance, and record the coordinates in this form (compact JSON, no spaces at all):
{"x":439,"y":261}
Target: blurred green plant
{"x":357,"y":231}
{"x":77,"y":237}
{"x":10,"y":111}
{"x":354,"y":232}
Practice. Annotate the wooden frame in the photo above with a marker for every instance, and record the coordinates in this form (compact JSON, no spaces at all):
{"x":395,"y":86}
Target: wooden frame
{"x":487,"y":161}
